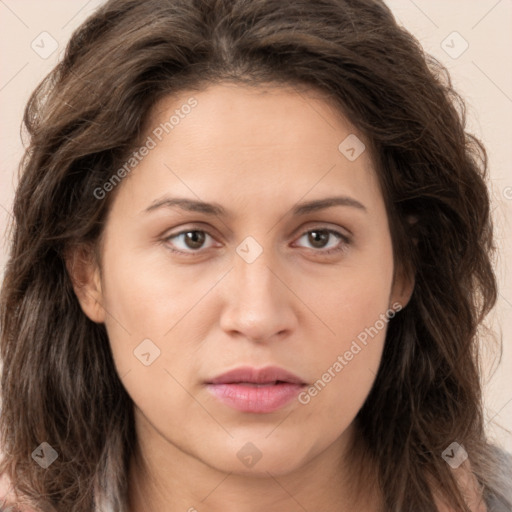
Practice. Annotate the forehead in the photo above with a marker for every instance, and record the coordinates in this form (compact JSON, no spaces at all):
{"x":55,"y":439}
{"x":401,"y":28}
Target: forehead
{"x":229,"y":115}
{"x":274,"y":142}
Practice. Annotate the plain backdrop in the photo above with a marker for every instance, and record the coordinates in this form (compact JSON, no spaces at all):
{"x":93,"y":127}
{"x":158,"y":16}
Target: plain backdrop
{"x":472,"y":38}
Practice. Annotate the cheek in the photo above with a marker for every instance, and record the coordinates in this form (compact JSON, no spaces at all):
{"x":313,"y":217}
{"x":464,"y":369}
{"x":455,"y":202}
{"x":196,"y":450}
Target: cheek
{"x":146,"y":317}
{"x":347,"y":355}
{"x":150,"y":308}
{"x":354,"y":300}
{"x":141,"y":305}
{"x":146,"y":295}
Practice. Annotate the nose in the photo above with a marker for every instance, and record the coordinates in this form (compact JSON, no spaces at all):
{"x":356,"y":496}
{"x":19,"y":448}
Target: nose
{"x":258,"y":305}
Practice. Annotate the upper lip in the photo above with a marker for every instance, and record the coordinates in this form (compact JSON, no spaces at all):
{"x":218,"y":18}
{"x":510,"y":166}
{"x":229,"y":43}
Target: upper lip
{"x":267,"y":375}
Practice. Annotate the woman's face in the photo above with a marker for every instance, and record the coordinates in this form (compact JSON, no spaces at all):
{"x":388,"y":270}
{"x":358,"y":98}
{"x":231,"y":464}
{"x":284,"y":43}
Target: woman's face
{"x":249,"y":269}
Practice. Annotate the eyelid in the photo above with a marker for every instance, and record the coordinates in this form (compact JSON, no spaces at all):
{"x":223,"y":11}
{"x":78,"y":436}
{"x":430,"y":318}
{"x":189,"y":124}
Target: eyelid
{"x":326,"y":226}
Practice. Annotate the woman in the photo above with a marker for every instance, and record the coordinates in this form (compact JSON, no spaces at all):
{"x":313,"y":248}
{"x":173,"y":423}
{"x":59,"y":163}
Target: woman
{"x":251,"y":253}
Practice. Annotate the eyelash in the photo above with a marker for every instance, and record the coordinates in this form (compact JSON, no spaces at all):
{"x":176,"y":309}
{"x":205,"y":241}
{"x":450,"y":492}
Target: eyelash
{"x":345,"y":241}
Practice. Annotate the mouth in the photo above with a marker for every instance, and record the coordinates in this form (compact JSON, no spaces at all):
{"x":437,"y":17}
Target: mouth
{"x":269,"y":375}
{"x":253,"y":390}
{"x":259,"y":385}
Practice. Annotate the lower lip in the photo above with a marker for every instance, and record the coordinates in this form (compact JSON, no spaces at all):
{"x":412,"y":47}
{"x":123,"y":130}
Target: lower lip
{"x":259,"y":399}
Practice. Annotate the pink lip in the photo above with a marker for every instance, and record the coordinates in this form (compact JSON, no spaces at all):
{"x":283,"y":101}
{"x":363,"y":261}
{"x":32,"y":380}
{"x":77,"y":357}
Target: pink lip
{"x":255,"y":390}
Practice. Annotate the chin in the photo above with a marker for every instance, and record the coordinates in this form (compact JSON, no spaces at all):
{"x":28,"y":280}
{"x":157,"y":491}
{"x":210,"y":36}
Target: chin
{"x":257,"y":458}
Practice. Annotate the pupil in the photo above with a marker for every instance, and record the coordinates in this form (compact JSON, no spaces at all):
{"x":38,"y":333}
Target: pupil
{"x":196,"y":237}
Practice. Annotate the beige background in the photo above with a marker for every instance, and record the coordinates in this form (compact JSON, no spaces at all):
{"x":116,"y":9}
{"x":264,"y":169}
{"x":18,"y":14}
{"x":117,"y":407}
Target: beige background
{"x":483,"y":73}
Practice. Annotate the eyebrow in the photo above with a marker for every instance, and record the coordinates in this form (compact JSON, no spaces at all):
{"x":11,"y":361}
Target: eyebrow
{"x":216,"y":209}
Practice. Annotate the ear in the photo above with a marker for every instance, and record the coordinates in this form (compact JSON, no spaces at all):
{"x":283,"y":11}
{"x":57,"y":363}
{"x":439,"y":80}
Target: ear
{"x":403,"y":284}
{"x":84,"y":273}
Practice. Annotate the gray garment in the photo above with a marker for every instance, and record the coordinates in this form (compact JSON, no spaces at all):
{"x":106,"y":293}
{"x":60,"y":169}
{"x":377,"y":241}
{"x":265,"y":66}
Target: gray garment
{"x":496,"y":503}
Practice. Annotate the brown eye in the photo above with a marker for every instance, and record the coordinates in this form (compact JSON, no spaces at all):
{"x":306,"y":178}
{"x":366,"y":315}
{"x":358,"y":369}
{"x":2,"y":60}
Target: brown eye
{"x":320,"y":239}
{"x":187,"y":241}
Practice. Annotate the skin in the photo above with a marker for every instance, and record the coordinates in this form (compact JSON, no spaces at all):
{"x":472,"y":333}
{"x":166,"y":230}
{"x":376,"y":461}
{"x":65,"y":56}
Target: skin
{"x":257,"y":152}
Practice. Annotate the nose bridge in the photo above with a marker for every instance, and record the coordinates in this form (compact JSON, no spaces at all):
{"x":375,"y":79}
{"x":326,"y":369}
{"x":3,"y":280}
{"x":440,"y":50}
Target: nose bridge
{"x":255,"y":279}
{"x":257,"y":304}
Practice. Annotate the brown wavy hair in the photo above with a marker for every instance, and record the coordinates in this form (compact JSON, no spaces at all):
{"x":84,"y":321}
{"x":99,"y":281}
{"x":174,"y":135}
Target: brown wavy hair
{"x":59,"y":383}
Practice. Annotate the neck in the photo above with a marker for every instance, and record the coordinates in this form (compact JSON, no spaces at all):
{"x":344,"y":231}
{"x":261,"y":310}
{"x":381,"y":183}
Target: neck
{"x":163,"y":478}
